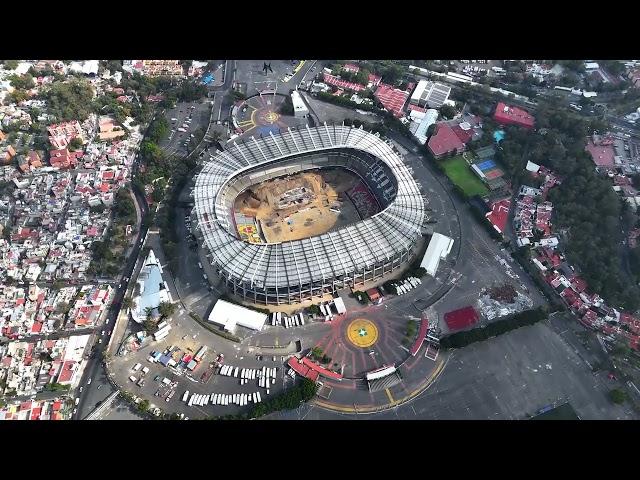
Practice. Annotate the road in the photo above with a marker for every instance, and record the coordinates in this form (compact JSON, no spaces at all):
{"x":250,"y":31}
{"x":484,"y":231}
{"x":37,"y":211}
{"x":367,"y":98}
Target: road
{"x":100,"y":386}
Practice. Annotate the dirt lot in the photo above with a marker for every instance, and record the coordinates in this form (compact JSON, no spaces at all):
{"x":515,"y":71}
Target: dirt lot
{"x":301,"y":205}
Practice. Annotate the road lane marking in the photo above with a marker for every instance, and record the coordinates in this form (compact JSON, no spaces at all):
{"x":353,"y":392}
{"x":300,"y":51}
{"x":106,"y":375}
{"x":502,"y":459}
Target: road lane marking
{"x":388,"y":392}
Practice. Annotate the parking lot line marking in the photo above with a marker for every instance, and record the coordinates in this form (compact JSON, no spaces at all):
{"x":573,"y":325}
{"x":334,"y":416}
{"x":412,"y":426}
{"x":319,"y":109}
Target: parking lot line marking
{"x":388,"y":392}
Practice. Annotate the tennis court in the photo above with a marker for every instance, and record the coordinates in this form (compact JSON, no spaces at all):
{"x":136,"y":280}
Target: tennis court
{"x":459,"y":173}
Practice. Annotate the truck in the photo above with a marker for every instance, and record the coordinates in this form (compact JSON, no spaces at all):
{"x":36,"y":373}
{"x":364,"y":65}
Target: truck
{"x":133,"y":379}
{"x":136,"y":367}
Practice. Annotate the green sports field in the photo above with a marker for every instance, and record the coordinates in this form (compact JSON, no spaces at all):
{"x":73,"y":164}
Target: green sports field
{"x":459,"y":172}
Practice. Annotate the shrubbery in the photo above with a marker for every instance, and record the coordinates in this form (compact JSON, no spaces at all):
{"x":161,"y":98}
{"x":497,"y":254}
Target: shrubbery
{"x":462,"y":339}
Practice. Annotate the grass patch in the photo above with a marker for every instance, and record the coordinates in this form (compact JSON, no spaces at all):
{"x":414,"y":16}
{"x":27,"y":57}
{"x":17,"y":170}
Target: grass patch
{"x":460,"y":174}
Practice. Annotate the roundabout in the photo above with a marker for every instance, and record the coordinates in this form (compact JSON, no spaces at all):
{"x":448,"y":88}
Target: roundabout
{"x":264,"y":113}
{"x":362,"y":333}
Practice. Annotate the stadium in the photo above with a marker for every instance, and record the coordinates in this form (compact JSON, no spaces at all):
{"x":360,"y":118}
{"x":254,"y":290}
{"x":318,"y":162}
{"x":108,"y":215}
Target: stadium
{"x":343,"y":209}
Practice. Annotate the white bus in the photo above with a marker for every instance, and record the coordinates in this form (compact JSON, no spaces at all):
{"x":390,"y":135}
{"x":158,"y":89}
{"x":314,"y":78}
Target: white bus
{"x":235,"y":374}
{"x":185,"y":396}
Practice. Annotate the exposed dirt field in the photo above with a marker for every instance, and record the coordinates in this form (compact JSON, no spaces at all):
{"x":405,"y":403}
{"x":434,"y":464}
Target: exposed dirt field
{"x":301,"y":205}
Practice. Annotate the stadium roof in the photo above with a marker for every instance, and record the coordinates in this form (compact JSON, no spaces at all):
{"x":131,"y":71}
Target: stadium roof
{"x":335,"y":254}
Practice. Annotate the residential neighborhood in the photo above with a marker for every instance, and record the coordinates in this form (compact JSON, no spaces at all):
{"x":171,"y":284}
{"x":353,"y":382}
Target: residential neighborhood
{"x":319,"y":239}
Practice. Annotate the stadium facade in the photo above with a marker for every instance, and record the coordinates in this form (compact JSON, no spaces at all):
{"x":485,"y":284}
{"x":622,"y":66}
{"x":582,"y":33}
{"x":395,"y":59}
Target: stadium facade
{"x":298,"y":270}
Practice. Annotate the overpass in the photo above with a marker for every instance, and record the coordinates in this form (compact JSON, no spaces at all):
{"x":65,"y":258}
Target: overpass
{"x":103,"y":407}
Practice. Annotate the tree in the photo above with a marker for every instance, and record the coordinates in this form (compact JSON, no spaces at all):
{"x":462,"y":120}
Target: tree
{"x":70,"y":100}
{"x":617,"y":396}
{"x":143,"y":406}
{"x":148,"y":311}
{"x":75,"y":144}
{"x":11,"y":64}
{"x":149,"y":325}
{"x":127,"y":302}
{"x":166,"y":309}
{"x":23,"y":82}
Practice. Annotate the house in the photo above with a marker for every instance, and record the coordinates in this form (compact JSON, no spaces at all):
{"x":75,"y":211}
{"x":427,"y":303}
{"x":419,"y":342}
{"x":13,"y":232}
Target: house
{"x":392,"y":99}
{"x":445,"y":141}
{"x":508,"y":115}
{"x":30,"y":163}
{"x":63,"y":159}
{"x":108,"y":130}
{"x":7,"y":152}
{"x":60,"y":135}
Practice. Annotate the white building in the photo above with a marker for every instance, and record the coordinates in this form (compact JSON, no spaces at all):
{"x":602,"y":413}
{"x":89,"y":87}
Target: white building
{"x":430,"y":94}
{"x":228,"y":315}
{"x":420,"y":129}
{"x":438,"y":249}
{"x":300,"y":109}
{"x":152,"y":289}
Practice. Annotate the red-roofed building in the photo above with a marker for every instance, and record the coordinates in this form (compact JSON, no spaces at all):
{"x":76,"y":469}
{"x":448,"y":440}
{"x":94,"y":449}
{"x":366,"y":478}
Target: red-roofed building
{"x":508,"y":115}
{"x":66,"y":374}
{"x":350,"y":67}
{"x":63,"y":159}
{"x":338,"y":82}
{"x":461,"y":318}
{"x":602,"y":155}
{"x":61,"y":134}
{"x":499,"y":214}
{"x":444,"y":141}
{"x":392,"y":99}
{"x":589,"y":318}
{"x":578,"y":284}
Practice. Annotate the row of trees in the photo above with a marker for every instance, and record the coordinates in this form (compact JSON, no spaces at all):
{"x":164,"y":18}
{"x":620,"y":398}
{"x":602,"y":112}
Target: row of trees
{"x":288,"y":400}
{"x":108,"y":254}
{"x":462,"y":339}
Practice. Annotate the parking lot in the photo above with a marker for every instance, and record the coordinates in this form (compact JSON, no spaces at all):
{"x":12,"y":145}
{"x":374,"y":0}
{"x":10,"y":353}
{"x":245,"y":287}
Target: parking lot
{"x":188,"y":117}
{"x":165,"y":386}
